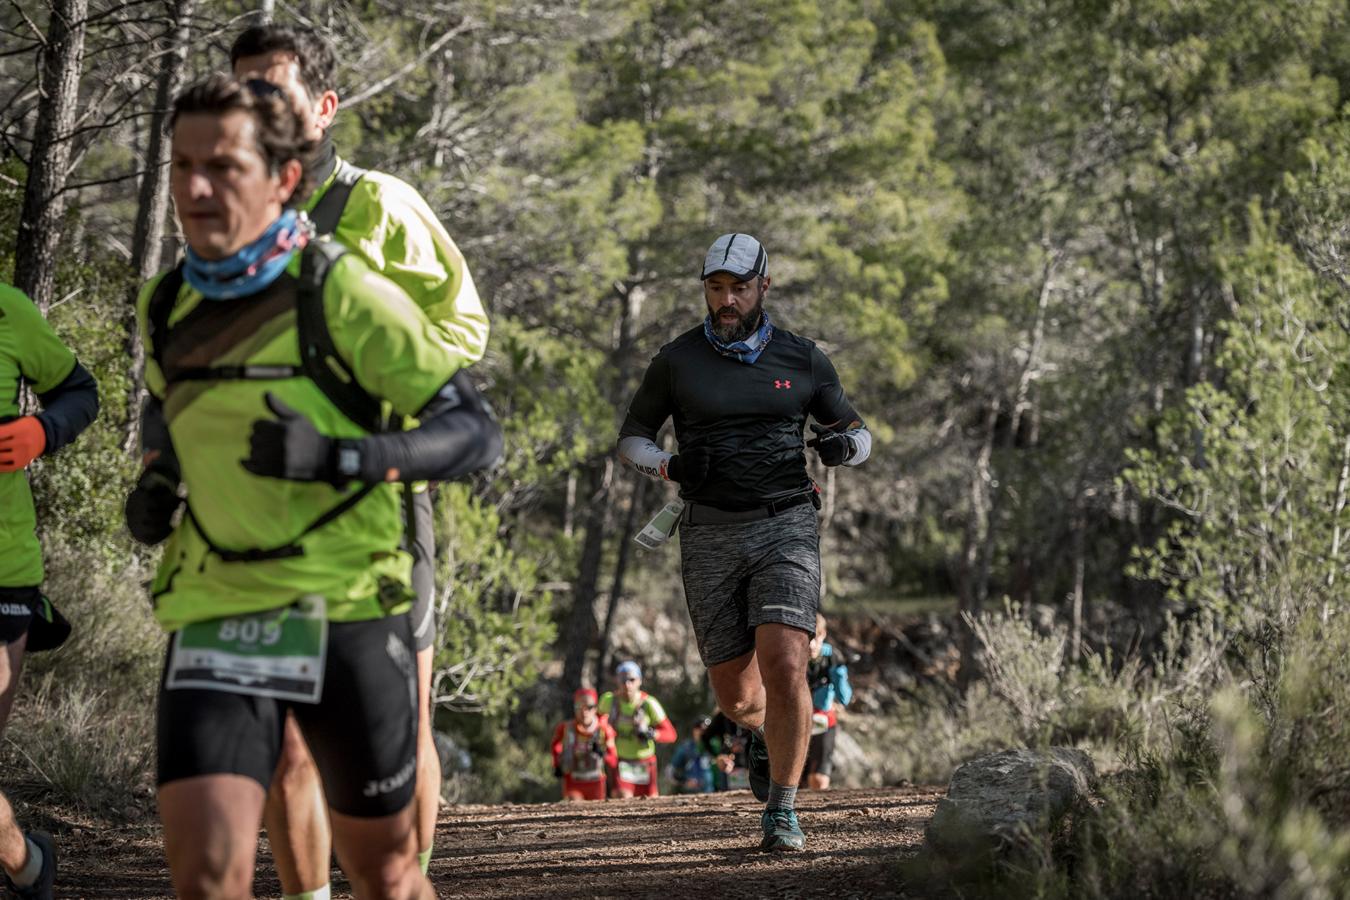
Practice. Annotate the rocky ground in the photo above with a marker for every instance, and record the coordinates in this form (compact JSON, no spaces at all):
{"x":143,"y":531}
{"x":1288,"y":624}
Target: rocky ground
{"x":670,"y":847}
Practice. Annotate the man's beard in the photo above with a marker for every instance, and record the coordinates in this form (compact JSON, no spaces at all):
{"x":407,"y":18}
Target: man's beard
{"x":742,"y":328}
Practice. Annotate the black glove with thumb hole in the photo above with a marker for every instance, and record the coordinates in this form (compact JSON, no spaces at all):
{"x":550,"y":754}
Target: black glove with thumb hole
{"x":833,"y":447}
{"x":151,"y":505}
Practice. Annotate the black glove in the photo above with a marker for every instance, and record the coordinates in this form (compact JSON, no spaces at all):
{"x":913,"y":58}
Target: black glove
{"x":833,"y":447}
{"x":151,"y":504}
{"x":557,"y":771}
{"x":689,"y":469}
{"x":597,"y":748}
{"x":290,"y":447}
{"x":645,"y":733}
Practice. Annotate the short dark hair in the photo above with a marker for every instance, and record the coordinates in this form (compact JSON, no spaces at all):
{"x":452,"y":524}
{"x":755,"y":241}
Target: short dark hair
{"x":312,"y":53}
{"x":280,"y":134}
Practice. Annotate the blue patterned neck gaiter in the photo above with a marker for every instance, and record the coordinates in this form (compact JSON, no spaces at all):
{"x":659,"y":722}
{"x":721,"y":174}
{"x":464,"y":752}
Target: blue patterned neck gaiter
{"x":251,"y":268}
{"x":748,"y":350}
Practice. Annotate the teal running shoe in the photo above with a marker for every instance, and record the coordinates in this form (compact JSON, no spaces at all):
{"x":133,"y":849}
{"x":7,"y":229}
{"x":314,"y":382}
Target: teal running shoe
{"x":757,"y":765}
{"x":781,"y":831}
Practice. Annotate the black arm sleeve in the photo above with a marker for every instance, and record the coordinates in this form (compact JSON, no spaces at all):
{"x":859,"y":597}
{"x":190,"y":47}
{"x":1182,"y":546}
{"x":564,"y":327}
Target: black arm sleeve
{"x":155,"y":437}
{"x":458,"y":434}
{"x":829,"y":405}
{"x":652,"y":403}
{"x":68,"y":408}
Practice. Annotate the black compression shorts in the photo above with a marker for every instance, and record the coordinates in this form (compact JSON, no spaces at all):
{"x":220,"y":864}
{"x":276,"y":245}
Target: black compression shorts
{"x":423,"y":573}
{"x":362,"y":734}
{"x":16,"y":612}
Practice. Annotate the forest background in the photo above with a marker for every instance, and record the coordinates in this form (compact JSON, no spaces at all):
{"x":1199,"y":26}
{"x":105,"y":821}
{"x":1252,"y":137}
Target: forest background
{"x":1083,"y":266}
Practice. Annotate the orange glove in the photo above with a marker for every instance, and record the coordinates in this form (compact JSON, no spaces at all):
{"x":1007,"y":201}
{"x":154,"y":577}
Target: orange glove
{"x":21,"y":442}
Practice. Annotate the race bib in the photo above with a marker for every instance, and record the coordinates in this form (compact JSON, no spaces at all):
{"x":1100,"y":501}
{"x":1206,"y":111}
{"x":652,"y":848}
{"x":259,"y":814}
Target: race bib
{"x":279,"y":653}
{"x":634,"y":772}
{"x":738,"y":779}
{"x":820,"y":723}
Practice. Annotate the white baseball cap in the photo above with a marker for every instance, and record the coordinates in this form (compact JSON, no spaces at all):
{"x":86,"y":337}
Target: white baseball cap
{"x":739,"y":255}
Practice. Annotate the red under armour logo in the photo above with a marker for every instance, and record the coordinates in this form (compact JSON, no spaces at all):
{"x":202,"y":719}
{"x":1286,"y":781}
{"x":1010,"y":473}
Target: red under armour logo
{"x":781,"y":384}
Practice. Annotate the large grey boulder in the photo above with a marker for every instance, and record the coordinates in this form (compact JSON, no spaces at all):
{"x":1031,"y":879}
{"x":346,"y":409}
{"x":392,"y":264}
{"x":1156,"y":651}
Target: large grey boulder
{"x":1002,"y":800}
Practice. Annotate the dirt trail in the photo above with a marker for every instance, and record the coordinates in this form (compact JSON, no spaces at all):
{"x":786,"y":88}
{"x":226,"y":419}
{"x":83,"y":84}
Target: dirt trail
{"x":680,"y":848}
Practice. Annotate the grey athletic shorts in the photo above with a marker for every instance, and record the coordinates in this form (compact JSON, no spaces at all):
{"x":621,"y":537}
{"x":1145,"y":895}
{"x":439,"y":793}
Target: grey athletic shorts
{"x":738,"y":577}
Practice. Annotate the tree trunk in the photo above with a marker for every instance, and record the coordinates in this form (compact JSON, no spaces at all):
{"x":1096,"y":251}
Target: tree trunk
{"x":580,"y":630}
{"x":1078,"y":542}
{"x":630,"y":522}
{"x":994,"y":483}
{"x":977,"y":528}
{"x":148,"y":234}
{"x":44,"y":201}
{"x":570,"y":505}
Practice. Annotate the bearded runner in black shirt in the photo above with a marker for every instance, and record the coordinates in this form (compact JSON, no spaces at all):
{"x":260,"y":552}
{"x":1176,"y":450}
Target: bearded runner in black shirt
{"x":740,"y":391}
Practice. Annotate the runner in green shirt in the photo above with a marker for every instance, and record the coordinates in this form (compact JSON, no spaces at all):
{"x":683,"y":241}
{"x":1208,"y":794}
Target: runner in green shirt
{"x":641,"y":723}
{"x":286,"y":585}
{"x":30,"y":352}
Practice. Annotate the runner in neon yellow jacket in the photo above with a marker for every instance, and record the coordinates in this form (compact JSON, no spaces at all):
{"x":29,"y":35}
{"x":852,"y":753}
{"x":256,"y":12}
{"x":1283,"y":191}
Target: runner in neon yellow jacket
{"x":391,"y":226}
{"x":291,"y":503}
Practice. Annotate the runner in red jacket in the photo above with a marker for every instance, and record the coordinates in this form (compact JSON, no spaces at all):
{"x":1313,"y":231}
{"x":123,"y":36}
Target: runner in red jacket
{"x":583,"y":750}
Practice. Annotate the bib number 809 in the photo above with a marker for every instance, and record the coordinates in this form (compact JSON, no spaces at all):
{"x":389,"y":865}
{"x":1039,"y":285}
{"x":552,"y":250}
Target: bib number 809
{"x":250,"y":631}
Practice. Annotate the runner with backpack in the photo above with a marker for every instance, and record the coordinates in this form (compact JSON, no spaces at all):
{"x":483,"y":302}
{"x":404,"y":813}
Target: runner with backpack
{"x":299,"y":388}
{"x":641,"y":723}
{"x":584,"y":752}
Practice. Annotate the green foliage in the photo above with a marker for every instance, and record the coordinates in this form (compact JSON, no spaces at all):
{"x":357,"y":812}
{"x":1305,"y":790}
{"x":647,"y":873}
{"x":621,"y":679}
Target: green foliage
{"x":1241,"y":805}
{"x":84,"y":725}
{"x":1253,"y":467}
{"x":508,"y":766}
{"x":494,"y":624}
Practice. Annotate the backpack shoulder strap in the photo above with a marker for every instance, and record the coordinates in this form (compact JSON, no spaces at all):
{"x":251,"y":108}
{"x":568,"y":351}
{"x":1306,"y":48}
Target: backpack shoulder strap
{"x":159,"y":310}
{"x":327,"y":213}
{"x":319,"y":357}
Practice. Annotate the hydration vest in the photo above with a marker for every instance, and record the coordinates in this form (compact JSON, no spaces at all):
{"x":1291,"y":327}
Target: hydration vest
{"x":327,"y":213}
{"x":578,"y":761}
{"x":319,"y":361}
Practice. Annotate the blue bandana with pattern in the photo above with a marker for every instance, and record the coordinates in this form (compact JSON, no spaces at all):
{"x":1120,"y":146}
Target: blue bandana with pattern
{"x":747,"y":350}
{"x":254,"y":266}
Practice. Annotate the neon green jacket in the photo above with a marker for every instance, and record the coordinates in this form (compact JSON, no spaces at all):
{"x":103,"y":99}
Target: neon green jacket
{"x":31,"y":351}
{"x":389,"y":224}
{"x":355,"y":561}
{"x":626,"y":717}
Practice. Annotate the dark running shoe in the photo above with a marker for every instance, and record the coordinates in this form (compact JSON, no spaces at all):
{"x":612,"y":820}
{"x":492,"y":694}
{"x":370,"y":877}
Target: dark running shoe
{"x":757,"y":764}
{"x":42,"y":888}
{"x":781,"y":831}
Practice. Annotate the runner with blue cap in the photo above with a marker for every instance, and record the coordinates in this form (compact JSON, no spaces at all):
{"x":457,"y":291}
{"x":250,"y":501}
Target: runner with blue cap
{"x":640,"y":723}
